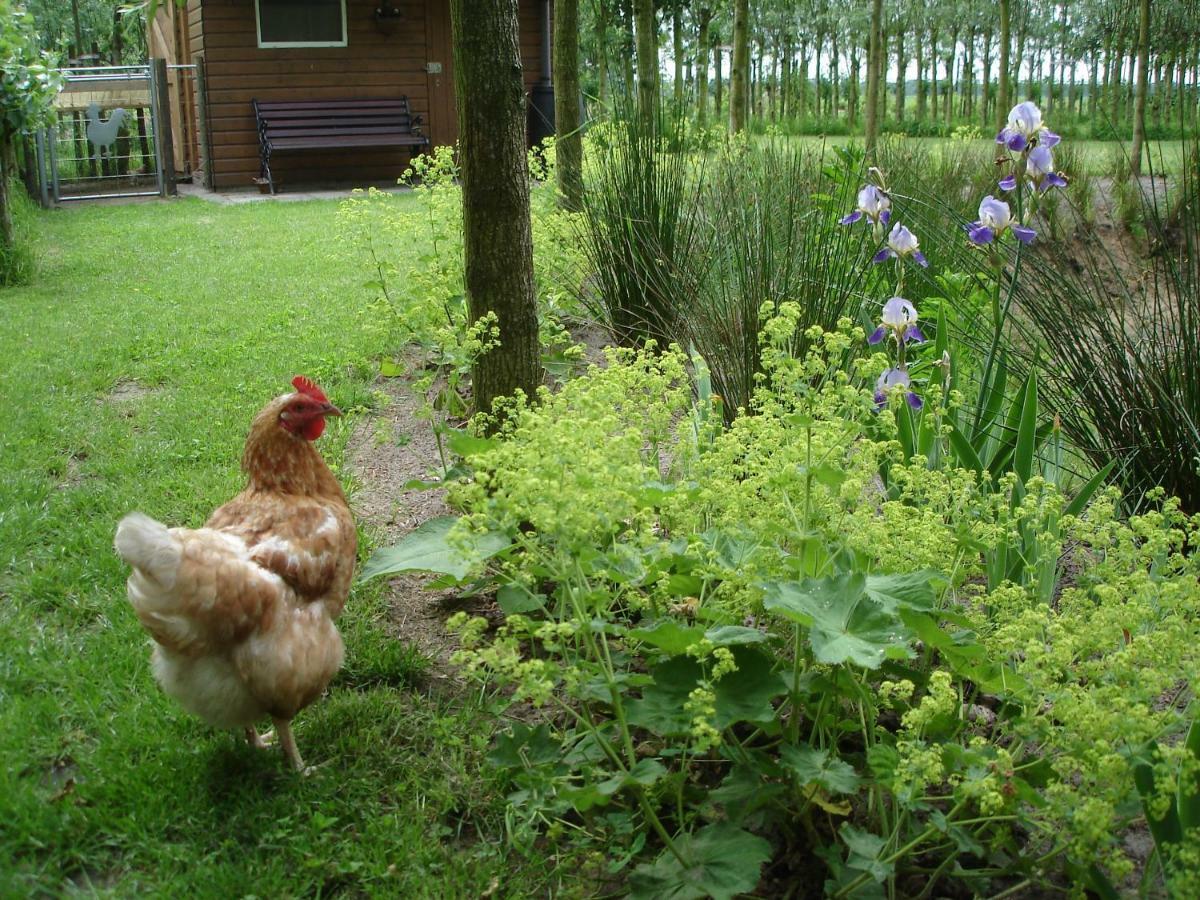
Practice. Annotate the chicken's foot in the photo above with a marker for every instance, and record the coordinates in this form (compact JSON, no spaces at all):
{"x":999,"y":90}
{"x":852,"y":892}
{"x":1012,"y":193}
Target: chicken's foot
{"x":288,"y":742}
{"x":259,"y":741}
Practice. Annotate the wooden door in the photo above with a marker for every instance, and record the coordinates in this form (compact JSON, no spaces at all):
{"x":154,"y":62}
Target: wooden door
{"x":442,"y":126}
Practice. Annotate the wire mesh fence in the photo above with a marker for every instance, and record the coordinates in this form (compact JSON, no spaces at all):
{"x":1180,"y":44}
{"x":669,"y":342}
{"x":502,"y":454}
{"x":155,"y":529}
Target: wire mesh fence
{"x":106,"y":142}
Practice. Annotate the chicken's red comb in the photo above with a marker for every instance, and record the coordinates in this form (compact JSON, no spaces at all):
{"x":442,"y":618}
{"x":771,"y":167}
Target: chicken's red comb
{"x":305,"y":385}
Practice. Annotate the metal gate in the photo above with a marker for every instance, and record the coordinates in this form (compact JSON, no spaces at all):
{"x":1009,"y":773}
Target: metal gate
{"x":109,"y":138}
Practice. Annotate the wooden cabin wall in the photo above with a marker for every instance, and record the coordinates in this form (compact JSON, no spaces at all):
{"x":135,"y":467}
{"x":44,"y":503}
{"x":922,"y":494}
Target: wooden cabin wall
{"x":375,"y":64}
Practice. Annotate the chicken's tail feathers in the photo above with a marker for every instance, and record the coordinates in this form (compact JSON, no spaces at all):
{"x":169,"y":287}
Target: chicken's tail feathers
{"x":149,"y":547}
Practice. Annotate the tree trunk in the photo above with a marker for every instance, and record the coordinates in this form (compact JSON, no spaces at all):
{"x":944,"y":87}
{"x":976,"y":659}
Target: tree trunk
{"x":718,"y":73}
{"x":677,"y":52}
{"x":986,"y":99}
{"x":874,"y":53}
{"x":1139,"y":109}
{"x":1003,"y":101}
{"x":646,"y":30}
{"x":853,"y":89}
{"x":7,"y":232}
{"x":803,"y":80}
{"x":921,"y":94}
{"x":627,"y":56}
{"x":568,"y":139}
{"x":901,"y":65}
{"x":739,"y":69}
{"x":497,"y":245}
{"x":602,"y":49}
{"x":705,"y":16}
{"x":933,"y":72}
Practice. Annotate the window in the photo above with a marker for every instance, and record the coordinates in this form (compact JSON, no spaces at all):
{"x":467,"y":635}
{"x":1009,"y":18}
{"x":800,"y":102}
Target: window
{"x":301,"y":23}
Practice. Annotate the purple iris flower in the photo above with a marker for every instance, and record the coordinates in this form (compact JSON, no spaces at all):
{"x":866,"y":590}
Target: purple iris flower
{"x":994,"y":219}
{"x":874,"y":204}
{"x":1039,"y":169}
{"x":901,"y":243}
{"x":1025,"y":129}
{"x":892,"y":378}
{"x":900,"y":318}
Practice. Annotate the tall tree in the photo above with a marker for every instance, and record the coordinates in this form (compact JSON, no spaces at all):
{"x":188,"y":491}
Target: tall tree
{"x":568,"y":141}
{"x":646,"y":30}
{"x":497,"y":246}
{"x":1003,"y":101}
{"x":1139,"y":109}
{"x":875,"y":56}
{"x":704,"y":18}
{"x":739,"y":69}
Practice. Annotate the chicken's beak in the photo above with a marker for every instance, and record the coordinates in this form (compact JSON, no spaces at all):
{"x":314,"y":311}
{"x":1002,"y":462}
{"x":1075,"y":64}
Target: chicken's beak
{"x":330,"y":410}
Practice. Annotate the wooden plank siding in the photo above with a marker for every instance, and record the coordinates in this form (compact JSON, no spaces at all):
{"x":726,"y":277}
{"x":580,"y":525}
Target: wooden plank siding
{"x":375,"y":64}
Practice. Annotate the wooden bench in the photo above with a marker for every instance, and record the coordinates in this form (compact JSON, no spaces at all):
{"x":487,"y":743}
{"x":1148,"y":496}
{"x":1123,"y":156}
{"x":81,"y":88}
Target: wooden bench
{"x":333,"y":124}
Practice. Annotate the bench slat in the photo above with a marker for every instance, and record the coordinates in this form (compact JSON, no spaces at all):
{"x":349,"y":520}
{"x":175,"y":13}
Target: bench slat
{"x":326,"y":124}
{"x":404,"y":122}
{"x":366,"y":140}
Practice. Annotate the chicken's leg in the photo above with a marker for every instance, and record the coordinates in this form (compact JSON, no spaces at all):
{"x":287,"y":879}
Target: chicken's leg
{"x":259,"y":741}
{"x":287,"y":741}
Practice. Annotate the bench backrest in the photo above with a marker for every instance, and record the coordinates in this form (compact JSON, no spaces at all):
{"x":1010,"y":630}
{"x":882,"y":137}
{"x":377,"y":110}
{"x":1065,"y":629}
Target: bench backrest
{"x":312,"y":118}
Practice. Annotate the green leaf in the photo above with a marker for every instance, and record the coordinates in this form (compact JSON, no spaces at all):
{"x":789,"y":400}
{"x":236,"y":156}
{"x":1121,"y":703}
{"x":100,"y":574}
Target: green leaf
{"x":523,"y":745}
{"x":513,"y":599}
{"x":730,"y":635}
{"x":1188,"y":798}
{"x":643,"y":774}
{"x":1027,"y":441}
{"x":1075,"y":507}
{"x":719,"y":861}
{"x":816,"y":766}
{"x":426,"y":550}
{"x":1167,"y":830}
{"x":389,"y":368}
{"x":846,"y":624}
{"x":911,"y":590}
{"x":745,"y":695}
{"x":991,"y":404}
{"x":966,"y":455}
{"x":669,"y":635}
{"x":465,"y":444}
{"x":661,"y":706}
{"x":866,"y":850}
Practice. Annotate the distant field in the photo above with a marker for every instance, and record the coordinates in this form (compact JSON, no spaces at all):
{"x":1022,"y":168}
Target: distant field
{"x":1166,"y":157}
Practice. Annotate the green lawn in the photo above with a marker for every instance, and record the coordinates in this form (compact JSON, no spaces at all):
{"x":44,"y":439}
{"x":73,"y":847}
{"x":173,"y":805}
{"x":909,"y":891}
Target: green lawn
{"x":1166,"y":157}
{"x":105,"y":785}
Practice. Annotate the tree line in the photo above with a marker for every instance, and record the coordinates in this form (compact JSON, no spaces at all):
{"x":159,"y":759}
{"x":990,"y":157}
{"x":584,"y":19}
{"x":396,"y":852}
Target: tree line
{"x":810,"y":64}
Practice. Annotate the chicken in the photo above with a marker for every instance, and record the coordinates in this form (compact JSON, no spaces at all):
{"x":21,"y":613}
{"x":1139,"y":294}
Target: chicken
{"x":242,"y":611}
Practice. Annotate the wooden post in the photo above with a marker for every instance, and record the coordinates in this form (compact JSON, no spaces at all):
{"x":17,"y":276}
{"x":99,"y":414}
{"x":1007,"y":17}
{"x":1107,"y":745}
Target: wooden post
{"x":201,"y":107}
{"x":162,"y":126}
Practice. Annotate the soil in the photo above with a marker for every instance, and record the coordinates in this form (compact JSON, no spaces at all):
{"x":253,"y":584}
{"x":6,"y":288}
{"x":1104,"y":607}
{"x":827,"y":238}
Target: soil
{"x":385,"y":452}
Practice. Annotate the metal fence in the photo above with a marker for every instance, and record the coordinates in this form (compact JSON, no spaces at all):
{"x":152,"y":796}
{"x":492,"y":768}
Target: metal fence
{"x":109,"y":139}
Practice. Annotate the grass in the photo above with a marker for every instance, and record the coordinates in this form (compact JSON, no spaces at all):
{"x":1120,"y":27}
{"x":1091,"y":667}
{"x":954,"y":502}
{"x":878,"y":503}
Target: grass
{"x":130,"y":368}
{"x":1100,"y":157}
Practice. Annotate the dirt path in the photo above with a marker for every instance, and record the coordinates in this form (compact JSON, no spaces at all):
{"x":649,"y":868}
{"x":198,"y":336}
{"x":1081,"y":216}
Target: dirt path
{"x":386,"y":451}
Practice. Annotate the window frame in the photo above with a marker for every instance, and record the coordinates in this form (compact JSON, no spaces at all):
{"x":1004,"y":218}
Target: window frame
{"x":285,"y":45}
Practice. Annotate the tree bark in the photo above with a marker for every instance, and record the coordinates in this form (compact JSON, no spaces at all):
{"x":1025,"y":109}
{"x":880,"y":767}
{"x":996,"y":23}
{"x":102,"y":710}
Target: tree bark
{"x":677,"y":52}
{"x":1139,"y":107}
{"x":602,"y":49}
{"x":739,"y":69}
{"x":568,"y":139}
{"x":497,"y":247}
{"x":874,"y":56}
{"x":646,"y":31}
{"x":7,"y":231}
{"x":719,"y":92}
{"x":1003,"y":102}
{"x":705,"y":16}
{"x":901,"y":65}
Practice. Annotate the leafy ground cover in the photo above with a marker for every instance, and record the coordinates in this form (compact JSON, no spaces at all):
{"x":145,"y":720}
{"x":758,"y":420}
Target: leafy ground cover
{"x":131,"y":367}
